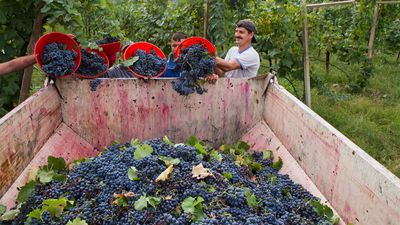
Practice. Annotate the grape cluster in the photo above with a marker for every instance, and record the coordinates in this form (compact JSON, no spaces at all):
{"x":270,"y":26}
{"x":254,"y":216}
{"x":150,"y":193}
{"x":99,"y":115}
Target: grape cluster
{"x":91,"y":64}
{"x":94,"y":83}
{"x":148,"y":64}
{"x":194,"y":62}
{"x":107,"y":40}
{"x":56,"y":60}
{"x":92,"y":184}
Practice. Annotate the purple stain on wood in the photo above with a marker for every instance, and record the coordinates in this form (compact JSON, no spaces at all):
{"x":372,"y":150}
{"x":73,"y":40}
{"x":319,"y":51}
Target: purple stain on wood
{"x":124,"y":110}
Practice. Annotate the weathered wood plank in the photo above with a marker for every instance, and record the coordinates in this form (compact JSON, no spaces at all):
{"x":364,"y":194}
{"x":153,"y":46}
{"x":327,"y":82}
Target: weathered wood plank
{"x":360,"y":189}
{"x":125,"y":108}
{"x":24,"y":130}
{"x":63,"y":143}
{"x":261,"y":138}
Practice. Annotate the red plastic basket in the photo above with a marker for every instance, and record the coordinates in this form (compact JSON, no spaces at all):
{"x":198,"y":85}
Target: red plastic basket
{"x":196,"y":41}
{"x":111,"y":49}
{"x":60,"y":38}
{"x":145,"y":46}
{"x":104,"y":56}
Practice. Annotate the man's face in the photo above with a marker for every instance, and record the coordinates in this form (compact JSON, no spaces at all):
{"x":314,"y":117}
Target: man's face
{"x":243,"y":36}
{"x":174,"y":45}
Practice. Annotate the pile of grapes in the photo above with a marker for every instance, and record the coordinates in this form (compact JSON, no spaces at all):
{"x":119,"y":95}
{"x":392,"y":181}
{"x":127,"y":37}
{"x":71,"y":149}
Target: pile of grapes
{"x":148,"y":64}
{"x":56,"y":60}
{"x":91,"y":64}
{"x":194,"y":62}
{"x":159,"y":182}
{"x":107,"y":40}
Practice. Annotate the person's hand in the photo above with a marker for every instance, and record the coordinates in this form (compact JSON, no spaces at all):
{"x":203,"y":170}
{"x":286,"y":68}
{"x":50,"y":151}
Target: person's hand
{"x":212,"y":78}
{"x":218,"y":60}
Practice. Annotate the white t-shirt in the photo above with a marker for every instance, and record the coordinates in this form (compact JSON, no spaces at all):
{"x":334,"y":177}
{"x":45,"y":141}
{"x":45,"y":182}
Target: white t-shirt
{"x":249,"y":61}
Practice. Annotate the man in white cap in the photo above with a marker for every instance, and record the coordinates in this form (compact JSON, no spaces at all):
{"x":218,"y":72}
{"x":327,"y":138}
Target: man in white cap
{"x":241,"y":61}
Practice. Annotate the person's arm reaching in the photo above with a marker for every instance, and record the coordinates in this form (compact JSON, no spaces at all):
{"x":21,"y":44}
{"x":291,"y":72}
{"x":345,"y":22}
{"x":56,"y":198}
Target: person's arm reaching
{"x":17,"y":64}
{"x":226,"y":66}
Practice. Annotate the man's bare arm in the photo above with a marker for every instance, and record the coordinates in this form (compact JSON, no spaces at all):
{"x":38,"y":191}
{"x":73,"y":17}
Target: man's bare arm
{"x":17,"y":64}
{"x":227,"y":65}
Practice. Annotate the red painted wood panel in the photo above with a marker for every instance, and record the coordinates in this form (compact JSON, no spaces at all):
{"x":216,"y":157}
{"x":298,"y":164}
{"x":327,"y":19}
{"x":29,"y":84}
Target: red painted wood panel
{"x":121,"y":109}
{"x":360,"y":189}
{"x":63,"y":143}
{"x":23,"y":132}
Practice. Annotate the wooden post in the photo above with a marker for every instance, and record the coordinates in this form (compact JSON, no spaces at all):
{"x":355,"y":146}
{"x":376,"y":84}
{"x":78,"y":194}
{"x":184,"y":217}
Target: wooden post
{"x":327,"y":61}
{"x":307,"y":89}
{"x":373,"y":30}
{"x":205,"y":18}
{"x":328,"y":4}
{"x":36,"y":31}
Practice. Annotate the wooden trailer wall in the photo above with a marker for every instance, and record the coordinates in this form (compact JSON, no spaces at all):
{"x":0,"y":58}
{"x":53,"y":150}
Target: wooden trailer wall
{"x":24,"y":131}
{"x":360,"y":189}
{"x":121,"y":109}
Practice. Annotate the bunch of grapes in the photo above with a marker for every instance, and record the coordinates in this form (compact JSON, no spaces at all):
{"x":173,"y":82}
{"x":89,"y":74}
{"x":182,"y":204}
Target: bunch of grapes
{"x":91,"y":64}
{"x":56,"y":60}
{"x":92,"y":186}
{"x":148,"y":64}
{"x":194,"y":62}
{"x":107,"y":40}
{"x":94,"y":83}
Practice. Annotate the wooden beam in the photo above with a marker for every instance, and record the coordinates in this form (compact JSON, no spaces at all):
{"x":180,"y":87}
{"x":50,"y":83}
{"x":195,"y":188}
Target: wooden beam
{"x":373,"y":31}
{"x":205,"y":18}
{"x":306,"y":58}
{"x":328,"y":4}
{"x":27,"y":77}
{"x":388,"y":2}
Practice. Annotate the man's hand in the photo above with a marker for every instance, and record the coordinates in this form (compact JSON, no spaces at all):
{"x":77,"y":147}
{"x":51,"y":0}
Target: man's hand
{"x":212,"y":78}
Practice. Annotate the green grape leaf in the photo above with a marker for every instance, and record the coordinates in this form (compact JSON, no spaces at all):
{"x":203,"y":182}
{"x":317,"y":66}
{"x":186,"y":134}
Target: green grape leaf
{"x":153,"y":201}
{"x":56,"y":206}
{"x":9,"y":215}
{"x":224,"y":148}
{"x":273,"y":179}
{"x":215,"y":154}
{"x":133,"y":173}
{"x":278,"y":164}
{"x":130,"y":61}
{"x":141,"y":203}
{"x":56,"y":164}
{"x":267,"y":154}
{"x":3,"y":209}
{"x":227,"y":175}
{"x":143,"y":151}
{"x":198,"y":214}
{"x":194,"y":206}
{"x":26,"y":191}
{"x":188,"y":205}
{"x":45,"y":176}
{"x":192,"y":140}
{"x":36,"y":213}
{"x":166,"y":140}
{"x":135,"y":142}
{"x":77,"y":221}
{"x":144,"y":201}
{"x":251,"y":199}
{"x":169,"y":160}
{"x":200,"y":148}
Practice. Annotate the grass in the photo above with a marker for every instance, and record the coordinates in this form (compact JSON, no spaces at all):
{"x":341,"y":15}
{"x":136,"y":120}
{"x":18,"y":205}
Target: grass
{"x":371,"y":119}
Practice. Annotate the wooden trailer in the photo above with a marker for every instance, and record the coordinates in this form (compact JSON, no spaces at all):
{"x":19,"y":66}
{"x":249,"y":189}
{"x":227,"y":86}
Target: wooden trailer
{"x":71,"y":120}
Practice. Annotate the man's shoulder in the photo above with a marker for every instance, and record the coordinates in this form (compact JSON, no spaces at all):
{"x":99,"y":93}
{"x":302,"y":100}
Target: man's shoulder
{"x":234,"y":49}
{"x":252,"y":52}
